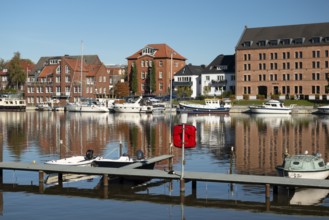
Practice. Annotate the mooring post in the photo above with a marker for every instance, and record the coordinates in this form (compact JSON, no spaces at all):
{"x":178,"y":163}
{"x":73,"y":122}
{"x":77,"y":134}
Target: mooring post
{"x":194,"y":188}
{"x":60,"y":179}
{"x":105,"y":180}
{"x":267,"y":196}
{"x":41,"y":181}
{"x":1,"y":176}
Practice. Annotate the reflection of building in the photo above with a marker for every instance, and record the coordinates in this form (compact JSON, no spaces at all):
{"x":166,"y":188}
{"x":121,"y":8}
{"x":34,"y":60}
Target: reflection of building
{"x":260,"y":145}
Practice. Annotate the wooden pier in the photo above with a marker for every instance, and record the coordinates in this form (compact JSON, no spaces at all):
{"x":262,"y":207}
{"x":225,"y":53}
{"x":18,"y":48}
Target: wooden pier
{"x":194,"y":177}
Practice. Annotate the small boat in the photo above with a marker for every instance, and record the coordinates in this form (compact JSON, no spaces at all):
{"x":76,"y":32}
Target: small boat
{"x":132,"y":105}
{"x":210,"y":106}
{"x":86,"y":105}
{"x":76,"y":160}
{"x":271,"y":107}
{"x":43,"y":107}
{"x":308,"y":196}
{"x":11,"y":102}
{"x":122,"y":161}
{"x":323,"y":109}
{"x":305,"y":166}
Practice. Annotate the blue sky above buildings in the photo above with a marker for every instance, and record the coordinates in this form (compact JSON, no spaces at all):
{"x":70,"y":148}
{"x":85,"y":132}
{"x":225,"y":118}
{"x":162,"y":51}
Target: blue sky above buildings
{"x":115,"y":29}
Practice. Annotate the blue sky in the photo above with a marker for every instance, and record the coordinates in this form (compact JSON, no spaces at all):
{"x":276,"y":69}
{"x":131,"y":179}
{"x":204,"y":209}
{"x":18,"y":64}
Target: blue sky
{"x":115,"y":29}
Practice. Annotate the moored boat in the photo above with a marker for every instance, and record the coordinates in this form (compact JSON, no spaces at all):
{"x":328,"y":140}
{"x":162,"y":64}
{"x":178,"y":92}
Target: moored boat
{"x":305,"y":166}
{"x":11,"y":102}
{"x":323,"y":109}
{"x":271,"y":107}
{"x":131,"y":105}
{"x":210,"y":106}
{"x":86,"y":105}
{"x":85,"y":160}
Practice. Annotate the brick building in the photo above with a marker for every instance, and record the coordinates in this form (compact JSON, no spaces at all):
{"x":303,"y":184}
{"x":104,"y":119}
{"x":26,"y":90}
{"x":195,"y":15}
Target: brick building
{"x":163,"y":58}
{"x":67,"y":78}
{"x":287,"y":61}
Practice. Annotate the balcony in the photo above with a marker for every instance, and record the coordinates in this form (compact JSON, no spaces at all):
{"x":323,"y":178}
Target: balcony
{"x":188,"y":83}
{"x":218,"y":82}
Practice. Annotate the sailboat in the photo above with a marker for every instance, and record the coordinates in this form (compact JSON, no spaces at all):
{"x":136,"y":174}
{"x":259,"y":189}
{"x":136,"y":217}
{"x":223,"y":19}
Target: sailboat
{"x":86,"y":104}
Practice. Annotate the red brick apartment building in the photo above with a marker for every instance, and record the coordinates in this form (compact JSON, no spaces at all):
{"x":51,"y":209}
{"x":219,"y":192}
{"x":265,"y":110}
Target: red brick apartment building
{"x":288,"y":61}
{"x":164,"y":59}
{"x":67,"y":78}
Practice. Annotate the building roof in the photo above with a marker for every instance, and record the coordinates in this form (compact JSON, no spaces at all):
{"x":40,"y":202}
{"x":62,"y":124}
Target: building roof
{"x":222,"y":64}
{"x":48,"y":70}
{"x":189,"y":70}
{"x":156,"y":51}
{"x":284,"y":36}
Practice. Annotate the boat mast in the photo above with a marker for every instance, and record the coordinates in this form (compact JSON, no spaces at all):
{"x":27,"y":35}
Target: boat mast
{"x":81,"y":69}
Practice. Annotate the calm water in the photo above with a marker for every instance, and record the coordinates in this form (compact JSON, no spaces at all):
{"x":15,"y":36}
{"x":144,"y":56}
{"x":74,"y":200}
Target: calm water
{"x":258,"y":141}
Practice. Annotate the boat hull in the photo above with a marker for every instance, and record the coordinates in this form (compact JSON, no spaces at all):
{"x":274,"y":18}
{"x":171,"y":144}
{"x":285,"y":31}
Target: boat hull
{"x":317,"y":174}
{"x":257,"y":110}
{"x":201,"y":109}
{"x":323,"y":109}
{"x":71,"y":107}
{"x":73,"y":161}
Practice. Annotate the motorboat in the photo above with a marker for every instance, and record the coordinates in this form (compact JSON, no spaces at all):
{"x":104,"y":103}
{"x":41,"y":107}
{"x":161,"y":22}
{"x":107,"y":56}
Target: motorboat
{"x":12,"y":103}
{"x":86,"y":105}
{"x":271,"y":107}
{"x":85,"y":160}
{"x":210,"y":106}
{"x":43,"y":107}
{"x":305,"y":166}
{"x":123,"y":160}
{"x":323,"y":109}
{"x":131,"y":105}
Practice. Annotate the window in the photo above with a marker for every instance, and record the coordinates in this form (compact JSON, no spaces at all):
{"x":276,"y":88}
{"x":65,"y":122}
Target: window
{"x":142,"y":75}
{"x":100,"y":79}
{"x":58,"y":79}
{"x":142,"y":63}
{"x":160,"y":75}
{"x":160,"y":63}
{"x":67,"y":69}
{"x":160,"y":86}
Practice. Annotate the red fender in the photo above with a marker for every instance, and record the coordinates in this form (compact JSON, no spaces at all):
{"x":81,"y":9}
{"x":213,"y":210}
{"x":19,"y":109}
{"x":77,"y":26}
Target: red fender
{"x":189,"y":139}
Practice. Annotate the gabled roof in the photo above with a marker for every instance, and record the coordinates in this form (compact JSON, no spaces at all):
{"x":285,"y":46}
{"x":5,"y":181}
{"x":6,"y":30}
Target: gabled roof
{"x":284,"y":36}
{"x":161,"y":51}
{"x":48,"y":70}
{"x":222,"y":64}
{"x":190,"y":70}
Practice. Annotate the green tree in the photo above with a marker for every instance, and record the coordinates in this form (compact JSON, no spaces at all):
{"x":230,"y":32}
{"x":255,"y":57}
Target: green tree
{"x":2,"y":63}
{"x":17,"y":76}
{"x":184,"y":91}
{"x":133,"y":79}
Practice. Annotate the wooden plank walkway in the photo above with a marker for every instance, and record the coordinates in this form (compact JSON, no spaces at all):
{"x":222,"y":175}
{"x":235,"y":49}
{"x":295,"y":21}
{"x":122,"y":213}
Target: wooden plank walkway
{"x":161,"y":174}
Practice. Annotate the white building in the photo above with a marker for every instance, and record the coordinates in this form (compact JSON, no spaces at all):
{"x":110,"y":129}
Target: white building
{"x":218,"y":76}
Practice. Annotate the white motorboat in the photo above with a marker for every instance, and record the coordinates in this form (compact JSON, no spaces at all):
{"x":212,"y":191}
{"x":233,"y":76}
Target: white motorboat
{"x":323,"y":109}
{"x":271,"y":107}
{"x":43,"y":107}
{"x":12,"y":103}
{"x":122,"y":161}
{"x":76,"y":160}
{"x":305,"y":166}
{"x":210,"y":106}
{"x":86,"y":105}
{"x":132,"y":105}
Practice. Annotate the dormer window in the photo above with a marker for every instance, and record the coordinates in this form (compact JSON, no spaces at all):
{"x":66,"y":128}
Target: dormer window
{"x":148,"y":51}
{"x":262,"y":43}
{"x":285,"y":41}
{"x":247,"y":44}
{"x":315,"y":40}
{"x":326,"y":39}
{"x":273,"y":42}
{"x":299,"y":40}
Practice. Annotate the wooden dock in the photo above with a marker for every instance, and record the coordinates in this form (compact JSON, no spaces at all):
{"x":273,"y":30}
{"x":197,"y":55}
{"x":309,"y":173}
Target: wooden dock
{"x":194,"y":177}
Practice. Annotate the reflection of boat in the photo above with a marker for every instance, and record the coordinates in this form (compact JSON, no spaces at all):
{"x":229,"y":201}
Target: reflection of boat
{"x":122,"y":161}
{"x":271,"y":107}
{"x":67,"y":178}
{"x":75,"y":160}
{"x":308,"y":196}
{"x":323,"y":109}
{"x":273,"y":120}
{"x":210,"y":106}
{"x":304,"y":166}
{"x":9,"y":102}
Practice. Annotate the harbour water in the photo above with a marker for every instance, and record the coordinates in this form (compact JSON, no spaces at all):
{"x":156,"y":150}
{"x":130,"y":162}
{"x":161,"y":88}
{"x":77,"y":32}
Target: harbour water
{"x":258,"y":142}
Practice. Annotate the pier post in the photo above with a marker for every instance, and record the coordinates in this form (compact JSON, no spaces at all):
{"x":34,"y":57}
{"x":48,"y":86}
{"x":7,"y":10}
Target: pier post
{"x":194,"y":188}
{"x":41,"y":181}
{"x":182,"y":185}
{"x":1,"y":176}
{"x":267,"y":196}
{"x":105,"y":180}
{"x":60,"y":179}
